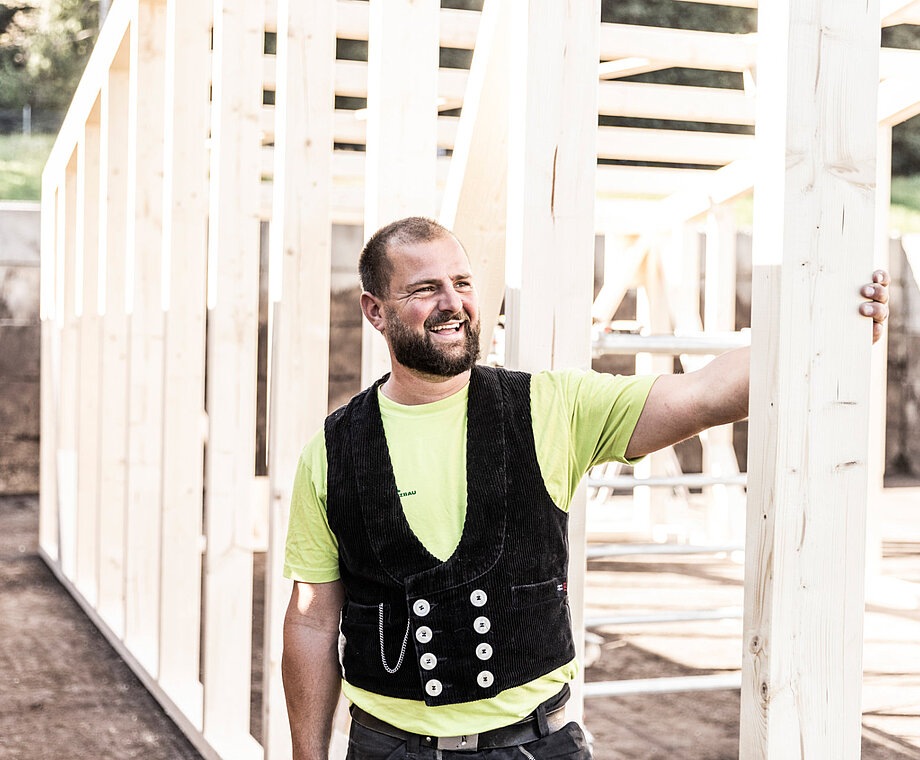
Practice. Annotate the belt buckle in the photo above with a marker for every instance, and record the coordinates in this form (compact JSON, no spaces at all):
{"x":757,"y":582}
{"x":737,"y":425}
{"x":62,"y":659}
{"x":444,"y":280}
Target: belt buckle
{"x":467,"y":742}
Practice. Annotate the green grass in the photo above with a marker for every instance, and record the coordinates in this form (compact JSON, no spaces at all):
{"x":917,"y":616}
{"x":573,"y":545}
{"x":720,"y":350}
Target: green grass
{"x":21,"y":162}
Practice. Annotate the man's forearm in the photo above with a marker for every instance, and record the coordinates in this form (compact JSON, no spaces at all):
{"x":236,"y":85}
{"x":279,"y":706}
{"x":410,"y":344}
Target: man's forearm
{"x":728,"y":380}
{"x":310,"y":672}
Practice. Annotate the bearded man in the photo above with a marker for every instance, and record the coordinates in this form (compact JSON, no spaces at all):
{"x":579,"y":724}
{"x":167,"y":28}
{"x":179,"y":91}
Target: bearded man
{"x":427,"y":535}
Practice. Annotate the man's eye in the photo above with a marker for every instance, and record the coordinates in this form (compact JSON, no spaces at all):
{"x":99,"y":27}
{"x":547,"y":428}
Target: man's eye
{"x":464,"y":284}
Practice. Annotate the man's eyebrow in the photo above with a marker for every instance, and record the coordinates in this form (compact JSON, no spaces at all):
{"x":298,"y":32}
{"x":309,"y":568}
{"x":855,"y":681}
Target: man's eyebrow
{"x":436,"y":280}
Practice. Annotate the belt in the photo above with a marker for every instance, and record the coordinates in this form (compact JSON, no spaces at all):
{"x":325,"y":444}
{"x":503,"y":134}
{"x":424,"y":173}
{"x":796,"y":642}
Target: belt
{"x":522,"y":732}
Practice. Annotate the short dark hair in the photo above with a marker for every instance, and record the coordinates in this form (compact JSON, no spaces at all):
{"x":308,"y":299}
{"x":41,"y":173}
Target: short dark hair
{"x":374,"y":266}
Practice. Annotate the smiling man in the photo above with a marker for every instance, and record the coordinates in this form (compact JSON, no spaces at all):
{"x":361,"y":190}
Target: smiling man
{"x":428,"y":528}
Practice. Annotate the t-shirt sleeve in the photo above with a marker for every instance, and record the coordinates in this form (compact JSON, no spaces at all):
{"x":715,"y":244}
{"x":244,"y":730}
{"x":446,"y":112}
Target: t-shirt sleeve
{"x":581,"y":419}
{"x":311,"y":551}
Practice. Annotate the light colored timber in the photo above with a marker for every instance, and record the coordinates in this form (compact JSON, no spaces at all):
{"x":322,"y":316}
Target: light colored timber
{"x":145,"y":319}
{"x":233,"y":302}
{"x":89,"y":402}
{"x":477,"y":186}
{"x":550,"y":228}
{"x":814,"y":212}
{"x":66,"y":390}
{"x":402,"y":139}
{"x":300,"y":253}
{"x":113,"y":192}
{"x":183,"y":297}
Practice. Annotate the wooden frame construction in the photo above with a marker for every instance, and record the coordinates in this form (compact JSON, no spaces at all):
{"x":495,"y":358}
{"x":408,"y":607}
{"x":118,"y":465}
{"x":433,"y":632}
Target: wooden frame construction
{"x":172,"y":158}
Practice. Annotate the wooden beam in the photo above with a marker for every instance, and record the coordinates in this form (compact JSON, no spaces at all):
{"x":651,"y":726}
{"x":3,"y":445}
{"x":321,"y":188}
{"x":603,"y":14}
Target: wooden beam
{"x":113,"y":237}
{"x":401,"y":130}
{"x":300,"y":257}
{"x":233,"y":303}
{"x":678,"y":47}
{"x":475,"y":198}
{"x":184,"y":257}
{"x":671,"y":145}
{"x":89,"y":406}
{"x":814,"y":210}
{"x":550,"y":229}
{"x":145,"y":360}
{"x":66,"y":383}
{"x":665,"y":101}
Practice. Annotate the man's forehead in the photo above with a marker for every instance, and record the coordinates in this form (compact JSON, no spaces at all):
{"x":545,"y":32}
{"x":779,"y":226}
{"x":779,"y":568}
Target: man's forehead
{"x":429,"y":255}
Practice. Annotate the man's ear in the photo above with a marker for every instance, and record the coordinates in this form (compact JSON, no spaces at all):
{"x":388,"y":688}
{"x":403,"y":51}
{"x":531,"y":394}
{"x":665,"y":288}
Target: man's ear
{"x":373,"y":310}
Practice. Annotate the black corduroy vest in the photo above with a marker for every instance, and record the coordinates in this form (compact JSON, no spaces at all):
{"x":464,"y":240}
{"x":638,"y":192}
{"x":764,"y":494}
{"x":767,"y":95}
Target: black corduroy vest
{"x":495,"y":614}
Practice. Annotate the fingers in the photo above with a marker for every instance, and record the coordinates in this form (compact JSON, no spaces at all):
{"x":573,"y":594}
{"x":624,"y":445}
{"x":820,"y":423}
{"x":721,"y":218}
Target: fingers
{"x":878,"y":311}
{"x":881,"y":277}
{"x":877,"y":330}
{"x":877,"y":293}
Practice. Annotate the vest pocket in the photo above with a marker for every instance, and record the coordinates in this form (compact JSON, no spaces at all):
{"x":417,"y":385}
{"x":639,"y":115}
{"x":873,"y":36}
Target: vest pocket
{"x":537,"y":593}
{"x":364,"y":614}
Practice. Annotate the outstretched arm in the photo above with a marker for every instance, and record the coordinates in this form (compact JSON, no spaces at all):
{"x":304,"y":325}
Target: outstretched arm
{"x":310,"y":666}
{"x":679,"y":406}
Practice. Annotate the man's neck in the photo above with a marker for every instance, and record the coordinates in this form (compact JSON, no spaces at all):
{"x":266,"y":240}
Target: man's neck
{"x":406,"y":386}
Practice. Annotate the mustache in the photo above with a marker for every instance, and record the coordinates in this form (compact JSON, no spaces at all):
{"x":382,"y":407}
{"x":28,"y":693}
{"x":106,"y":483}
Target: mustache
{"x":444,"y":317}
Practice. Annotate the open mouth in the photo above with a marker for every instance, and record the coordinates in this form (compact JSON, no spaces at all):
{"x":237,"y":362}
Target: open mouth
{"x":447,"y":328}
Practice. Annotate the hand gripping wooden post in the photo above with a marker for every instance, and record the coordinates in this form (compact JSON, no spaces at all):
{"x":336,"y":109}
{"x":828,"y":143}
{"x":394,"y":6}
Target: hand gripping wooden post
{"x":813,"y":247}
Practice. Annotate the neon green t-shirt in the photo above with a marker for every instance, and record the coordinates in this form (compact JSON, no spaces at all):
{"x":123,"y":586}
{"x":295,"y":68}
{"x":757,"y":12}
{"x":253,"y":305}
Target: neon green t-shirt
{"x":579,"y":419}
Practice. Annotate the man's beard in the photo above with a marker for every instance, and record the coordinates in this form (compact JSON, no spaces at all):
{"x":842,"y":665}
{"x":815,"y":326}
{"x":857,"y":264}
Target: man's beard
{"x":421,"y":353}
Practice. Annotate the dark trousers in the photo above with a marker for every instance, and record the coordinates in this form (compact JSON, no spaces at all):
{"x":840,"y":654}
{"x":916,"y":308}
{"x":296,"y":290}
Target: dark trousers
{"x":568,"y":743}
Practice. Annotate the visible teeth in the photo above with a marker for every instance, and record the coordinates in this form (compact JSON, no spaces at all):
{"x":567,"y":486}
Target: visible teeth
{"x":449,"y":326}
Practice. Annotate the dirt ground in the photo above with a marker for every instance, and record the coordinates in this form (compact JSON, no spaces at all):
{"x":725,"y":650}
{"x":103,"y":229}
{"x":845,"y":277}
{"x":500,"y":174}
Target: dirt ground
{"x":64,"y":693}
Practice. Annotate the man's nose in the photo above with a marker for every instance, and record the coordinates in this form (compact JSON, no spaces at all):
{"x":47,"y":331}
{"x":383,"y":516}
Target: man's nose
{"x":450,"y":301}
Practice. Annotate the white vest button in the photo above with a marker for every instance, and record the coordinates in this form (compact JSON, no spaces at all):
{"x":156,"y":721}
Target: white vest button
{"x":485,"y":679}
{"x":482,"y":624}
{"x":428,"y":661}
{"x":433,"y":687}
{"x":421,"y":607}
{"x":423,"y":634}
{"x":478,"y":598}
{"x":484,"y":651}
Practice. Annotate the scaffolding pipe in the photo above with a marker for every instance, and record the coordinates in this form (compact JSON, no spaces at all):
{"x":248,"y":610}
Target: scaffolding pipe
{"x":720,"y":682}
{"x":677,"y":616}
{"x":631,"y":550}
{"x":687,"y":481}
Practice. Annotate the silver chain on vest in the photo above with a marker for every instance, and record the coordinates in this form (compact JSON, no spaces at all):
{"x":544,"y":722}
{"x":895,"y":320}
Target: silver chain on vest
{"x":402,"y":651}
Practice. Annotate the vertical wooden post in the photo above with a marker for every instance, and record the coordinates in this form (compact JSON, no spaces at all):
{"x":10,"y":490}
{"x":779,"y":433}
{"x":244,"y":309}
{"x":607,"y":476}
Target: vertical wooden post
{"x":145,"y":361}
{"x":402,"y":113}
{"x":550,"y":230}
{"x":233,"y":304}
{"x":113,"y":387}
{"x":87,"y":568}
{"x":475,"y":198}
{"x":184,"y":256}
{"x":301,"y":249}
{"x":67,"y":379}
{"x":725,"y":511}
{"x":814,"y":211}
{"x":48,"y":506}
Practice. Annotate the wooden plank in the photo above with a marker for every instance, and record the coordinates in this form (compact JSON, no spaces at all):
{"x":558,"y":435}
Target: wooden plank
{"x":678,"y":47}
{"x":648,"y":180}
{"x":476,"y":194}
{"x":47,"y":513}
{"x":725,"y":511}
{"x":69,"y":353}
{"x":663,"y":101}
{"x":550,"y":229}
{"x":145,"y":327}
{"x":898,"y":100}
{"x":113,"y":224}
{"x":184,"y":256}
{"x":814,"y":210}
{"x":671,"y":145}
{"x":300,"y":259}
{"x":233,"y":302}
{"x":89,"y":406}
{"x":402,"y":94}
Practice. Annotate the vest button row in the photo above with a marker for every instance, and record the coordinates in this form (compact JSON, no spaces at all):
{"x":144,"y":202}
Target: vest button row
{"x":434,"y":687}
{"x":428,"y":661}
{"x":423,"y":634}
{"x":484,"y":651}
{"x":478,"y":598}
{"x":485,"y":679}
{"x":482,"y":624}
{"x":421,"y":607}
